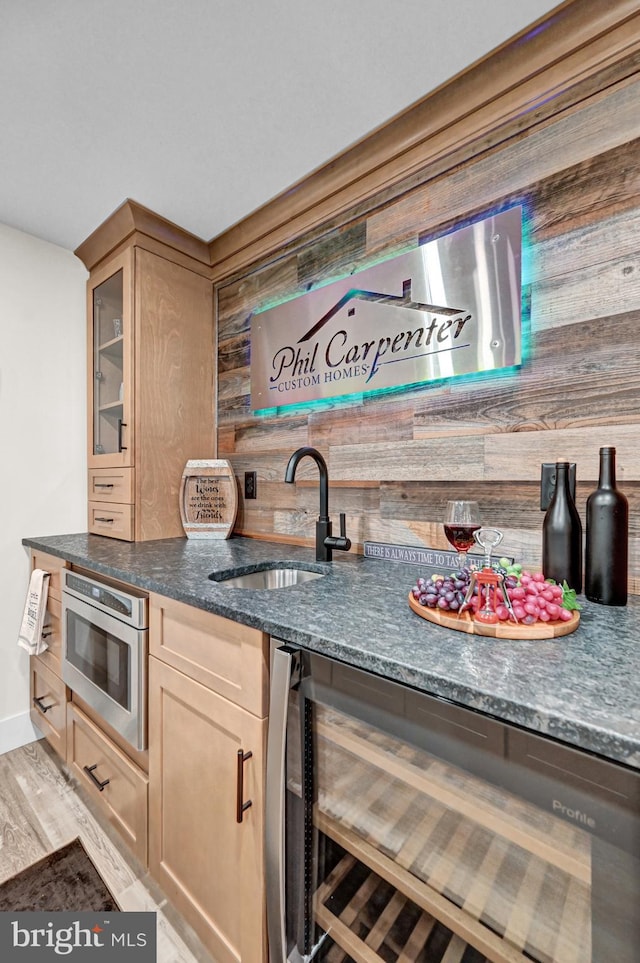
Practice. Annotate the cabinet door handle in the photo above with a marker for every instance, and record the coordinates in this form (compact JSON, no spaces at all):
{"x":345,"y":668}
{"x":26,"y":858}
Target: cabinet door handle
{"x":121,"y":424}
{"x":38,"y":701}
{"x":104,"y":519}
{"x":240,"y":805}
{"x":103,"y":484}
{"x":94,"y":779}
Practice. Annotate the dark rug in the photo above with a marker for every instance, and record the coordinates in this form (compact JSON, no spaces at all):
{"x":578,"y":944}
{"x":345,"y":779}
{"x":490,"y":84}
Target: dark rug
{"x":65,"y":880}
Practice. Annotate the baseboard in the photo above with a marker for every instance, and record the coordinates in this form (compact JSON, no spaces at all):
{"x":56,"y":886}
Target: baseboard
{"x":17,"y":731}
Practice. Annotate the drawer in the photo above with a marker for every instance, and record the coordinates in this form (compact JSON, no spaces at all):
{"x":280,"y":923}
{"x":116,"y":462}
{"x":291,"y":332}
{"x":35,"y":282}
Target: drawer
{"x":111,"y":485}
{"x":97,"y":762}
{"x":48,"y":696}
{"x":111,"y":519}
{"x":52,"y":565}
{"x":227,"y":657}
{"x":52,"y":635}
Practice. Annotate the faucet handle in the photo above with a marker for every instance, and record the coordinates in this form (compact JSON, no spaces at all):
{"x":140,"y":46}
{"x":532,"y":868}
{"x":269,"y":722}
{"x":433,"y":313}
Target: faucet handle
{"x":340,"y":542}
{"x":344,"y":542}
{"x":343,"y":525}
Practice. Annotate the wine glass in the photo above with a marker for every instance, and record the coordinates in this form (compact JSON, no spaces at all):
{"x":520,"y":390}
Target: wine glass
{"x":461,"y":520}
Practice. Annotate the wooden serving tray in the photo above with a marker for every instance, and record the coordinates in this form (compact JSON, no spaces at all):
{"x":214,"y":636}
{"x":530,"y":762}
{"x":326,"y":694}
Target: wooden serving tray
{"x":500,"y":630}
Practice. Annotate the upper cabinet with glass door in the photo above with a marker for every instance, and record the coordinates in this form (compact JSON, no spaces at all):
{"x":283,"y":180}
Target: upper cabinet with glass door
{"x":151,"y":371}
{"x":111,"y":388}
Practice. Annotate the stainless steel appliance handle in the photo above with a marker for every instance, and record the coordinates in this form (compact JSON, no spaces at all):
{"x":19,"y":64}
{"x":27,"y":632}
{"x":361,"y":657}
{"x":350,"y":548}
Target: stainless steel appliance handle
{"x":285,"y":662}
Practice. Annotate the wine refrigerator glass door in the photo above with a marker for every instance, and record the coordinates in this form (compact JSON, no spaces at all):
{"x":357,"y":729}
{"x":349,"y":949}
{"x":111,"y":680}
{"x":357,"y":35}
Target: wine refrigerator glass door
{"x":410,"y":834}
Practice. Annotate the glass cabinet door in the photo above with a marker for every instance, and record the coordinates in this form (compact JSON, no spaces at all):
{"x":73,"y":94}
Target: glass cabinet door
{"x":111,"y":340}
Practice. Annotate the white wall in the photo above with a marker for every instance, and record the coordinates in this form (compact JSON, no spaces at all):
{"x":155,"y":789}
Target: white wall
{"x":42,"y":434}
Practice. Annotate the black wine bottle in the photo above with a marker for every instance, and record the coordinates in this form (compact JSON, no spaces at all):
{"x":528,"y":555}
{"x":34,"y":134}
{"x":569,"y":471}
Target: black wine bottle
{"x":562,"y":534}
{"x":607,"y":549}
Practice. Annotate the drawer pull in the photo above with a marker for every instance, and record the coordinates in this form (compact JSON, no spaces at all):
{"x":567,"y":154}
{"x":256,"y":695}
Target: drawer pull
{"x":103,"y":484}
{"x":38,"y":701}
{"x":94,"y":779}
{"x":105,"y":519}
{"x":240,"y":805}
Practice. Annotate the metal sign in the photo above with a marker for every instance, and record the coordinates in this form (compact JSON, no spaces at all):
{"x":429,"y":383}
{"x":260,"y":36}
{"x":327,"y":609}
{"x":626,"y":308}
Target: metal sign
{"x":450,"y":307}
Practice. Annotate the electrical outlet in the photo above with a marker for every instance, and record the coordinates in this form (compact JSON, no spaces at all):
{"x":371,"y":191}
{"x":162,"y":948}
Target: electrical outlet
{"x":250,"y":484}
{"x":548,"y":483}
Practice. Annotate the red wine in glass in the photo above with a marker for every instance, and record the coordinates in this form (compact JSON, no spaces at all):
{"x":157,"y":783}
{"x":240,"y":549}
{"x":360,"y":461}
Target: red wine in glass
{"x":461,"y":536}
{"x":462,"y":519}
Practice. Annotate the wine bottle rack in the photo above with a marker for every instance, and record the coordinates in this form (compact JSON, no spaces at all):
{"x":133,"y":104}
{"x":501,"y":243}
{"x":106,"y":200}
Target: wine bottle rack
{"x":505,"y":878}
{"x":376,"y":923}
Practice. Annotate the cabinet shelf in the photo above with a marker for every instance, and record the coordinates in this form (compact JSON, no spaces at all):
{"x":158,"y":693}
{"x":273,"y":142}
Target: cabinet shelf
{"x":113,"y":408}
{"x":112,"y":349}
{"x":113,"y":346}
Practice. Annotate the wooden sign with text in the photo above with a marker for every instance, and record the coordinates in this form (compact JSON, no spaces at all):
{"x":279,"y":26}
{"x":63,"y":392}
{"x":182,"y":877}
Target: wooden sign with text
{"x":208,"y":498}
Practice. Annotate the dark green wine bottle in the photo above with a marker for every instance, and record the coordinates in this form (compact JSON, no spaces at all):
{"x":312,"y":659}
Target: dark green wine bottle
{"x":562,"y":534}
{"x":607,"y":548}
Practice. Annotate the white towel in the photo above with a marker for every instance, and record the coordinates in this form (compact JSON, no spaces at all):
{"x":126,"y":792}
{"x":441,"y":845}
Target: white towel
{"x":35,"y":607}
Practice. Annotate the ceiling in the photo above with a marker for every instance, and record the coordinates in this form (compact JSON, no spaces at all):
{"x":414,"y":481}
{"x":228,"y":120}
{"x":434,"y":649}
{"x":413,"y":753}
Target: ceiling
{"x":203,"y":110}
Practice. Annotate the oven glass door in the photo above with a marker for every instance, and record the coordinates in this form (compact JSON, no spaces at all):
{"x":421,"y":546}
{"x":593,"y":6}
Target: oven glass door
{"x":416,"y":831}
{"x":101,"y":656}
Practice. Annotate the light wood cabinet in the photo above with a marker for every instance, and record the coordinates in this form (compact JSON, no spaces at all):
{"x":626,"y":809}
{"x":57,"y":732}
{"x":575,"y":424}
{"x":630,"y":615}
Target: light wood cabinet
{"x":206,"y":761}
{"x":197,"y":818}
{"x":114,"y":783}
{"x":47,"y":692}
{"x":92,"y":751}
{"x":225,"y":656}
{"x":48,"y":695}
{"x":150,"y":372}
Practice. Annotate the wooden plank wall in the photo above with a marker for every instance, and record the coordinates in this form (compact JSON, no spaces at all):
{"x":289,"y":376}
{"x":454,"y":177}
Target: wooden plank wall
{"x":394,"y":461}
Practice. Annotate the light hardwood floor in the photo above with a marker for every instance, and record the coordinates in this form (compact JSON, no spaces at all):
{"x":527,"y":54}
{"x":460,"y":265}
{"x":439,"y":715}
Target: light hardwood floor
{"x":41,"y":809}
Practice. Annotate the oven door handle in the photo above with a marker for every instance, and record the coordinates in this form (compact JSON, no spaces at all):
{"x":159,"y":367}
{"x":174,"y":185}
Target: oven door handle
{"x":286,"y":661}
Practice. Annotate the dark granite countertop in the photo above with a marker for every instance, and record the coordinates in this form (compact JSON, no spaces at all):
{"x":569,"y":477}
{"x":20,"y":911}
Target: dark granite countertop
{"x":582,"y":688}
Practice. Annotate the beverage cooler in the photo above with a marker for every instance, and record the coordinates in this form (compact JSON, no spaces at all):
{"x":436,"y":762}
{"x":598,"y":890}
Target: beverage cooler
{"x":402,"y":828}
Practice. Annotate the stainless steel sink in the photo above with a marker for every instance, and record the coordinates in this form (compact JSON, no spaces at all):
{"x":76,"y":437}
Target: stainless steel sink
{"x":268,"y":578}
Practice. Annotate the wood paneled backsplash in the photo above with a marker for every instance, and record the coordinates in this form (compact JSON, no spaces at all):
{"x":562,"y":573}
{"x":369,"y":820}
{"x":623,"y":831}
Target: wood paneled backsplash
{"x":394,"y":460}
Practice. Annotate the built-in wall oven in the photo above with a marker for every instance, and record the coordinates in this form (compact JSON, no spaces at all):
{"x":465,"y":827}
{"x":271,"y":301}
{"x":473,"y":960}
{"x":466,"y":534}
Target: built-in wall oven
{"x":405,"y":829}
{"x":105,"y":649}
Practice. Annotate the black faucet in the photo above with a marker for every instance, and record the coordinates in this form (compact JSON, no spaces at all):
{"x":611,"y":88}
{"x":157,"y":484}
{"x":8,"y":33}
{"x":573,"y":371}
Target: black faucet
{"x":325,"y":541}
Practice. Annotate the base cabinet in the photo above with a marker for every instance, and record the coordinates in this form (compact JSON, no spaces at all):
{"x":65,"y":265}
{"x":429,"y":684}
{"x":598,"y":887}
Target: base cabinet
{"x":197,"y":818}
{"x":209,"y":864}
{"x":47,"y":692}
{"x":115,"y":784}
{"x":48,"y":695}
